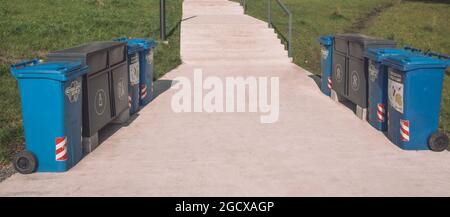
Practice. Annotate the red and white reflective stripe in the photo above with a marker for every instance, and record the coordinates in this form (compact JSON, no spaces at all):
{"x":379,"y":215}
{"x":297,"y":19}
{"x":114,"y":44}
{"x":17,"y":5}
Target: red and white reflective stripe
{"x":404,"y":130}
{"x":61,"y":149}
{"x":129,"y":101}
{"x":144,"y":91}
{"x":329,"y":83}
{"x":381,"y":112}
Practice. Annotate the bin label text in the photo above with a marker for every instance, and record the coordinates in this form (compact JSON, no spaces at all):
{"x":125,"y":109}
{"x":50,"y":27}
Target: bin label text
{"x":395,"y":91}
{"x":134,"y":73}
{"x":150,"y":58}
{"x":339,"y":74}
{"x":325,"y":53}
{"x":355,"y":81}
{"x":121,"y":88}
{"x":100,"y":104}
{"x":73,"y":91}
{"x":373,"y":72}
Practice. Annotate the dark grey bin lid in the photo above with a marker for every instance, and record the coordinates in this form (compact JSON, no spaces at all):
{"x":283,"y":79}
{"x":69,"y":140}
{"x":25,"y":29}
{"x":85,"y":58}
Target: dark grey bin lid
{"x":86,"y":49}
{"x":365,"y":40}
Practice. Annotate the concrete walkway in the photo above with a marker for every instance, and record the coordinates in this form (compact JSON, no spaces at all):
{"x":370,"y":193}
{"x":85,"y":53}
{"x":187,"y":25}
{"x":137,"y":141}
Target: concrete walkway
{"x":317,"y":148}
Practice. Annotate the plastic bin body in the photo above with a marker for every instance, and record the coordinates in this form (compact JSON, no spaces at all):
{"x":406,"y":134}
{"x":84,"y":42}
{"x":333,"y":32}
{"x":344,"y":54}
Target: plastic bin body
{"x":349,"y":75}
{"x":134,"y":88}
{"x":51,"y":98}
{"x":326,"y":45}
{"x":146,"y":69}
{"x":103,"y":86}
{"x":414,"y":99}
{"x":135,"y":51}
{"x":377,"y":85}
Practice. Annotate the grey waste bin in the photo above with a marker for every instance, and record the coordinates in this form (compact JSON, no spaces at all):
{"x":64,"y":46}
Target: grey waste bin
{"x":349,"y":75}
{"x":105,"y":90}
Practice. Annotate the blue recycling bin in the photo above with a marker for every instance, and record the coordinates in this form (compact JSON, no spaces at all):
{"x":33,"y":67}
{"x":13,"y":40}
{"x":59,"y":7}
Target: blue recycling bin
{"x":134,"y":52}
{"x":146,"y":67}
{"x":51,"y":98}
{"x":326,"y":64}
{"x":414,"y":98}
{"x":377,"y":85}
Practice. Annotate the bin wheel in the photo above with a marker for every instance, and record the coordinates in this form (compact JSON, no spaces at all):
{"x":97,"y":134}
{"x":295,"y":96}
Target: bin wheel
{"x":438,"y":142}
{"x":25,"y":162}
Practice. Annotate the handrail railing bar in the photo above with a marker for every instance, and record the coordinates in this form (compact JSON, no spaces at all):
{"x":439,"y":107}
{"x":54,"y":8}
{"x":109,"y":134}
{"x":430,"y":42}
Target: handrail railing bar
{"x":283,"y":6}
{"x":269,"y":14}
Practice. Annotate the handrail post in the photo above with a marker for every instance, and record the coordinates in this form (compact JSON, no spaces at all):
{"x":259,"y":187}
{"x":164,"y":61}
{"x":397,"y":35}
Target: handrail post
{"x":290,"y":35}
{"x":269,"y":9}
{"x":162,"y":19}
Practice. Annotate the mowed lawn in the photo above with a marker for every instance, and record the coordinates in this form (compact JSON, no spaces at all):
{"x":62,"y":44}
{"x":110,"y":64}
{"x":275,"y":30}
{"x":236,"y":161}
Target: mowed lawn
{"x":30,"y":29}
{"x":422,"y":24}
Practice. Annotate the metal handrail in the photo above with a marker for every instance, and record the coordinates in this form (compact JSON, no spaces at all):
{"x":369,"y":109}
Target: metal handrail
{"x":244,"y":4}
{"x":269,"y":12}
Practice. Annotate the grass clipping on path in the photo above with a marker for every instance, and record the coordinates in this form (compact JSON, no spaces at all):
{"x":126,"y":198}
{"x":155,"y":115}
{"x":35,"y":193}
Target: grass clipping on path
{"x":30,"y":29}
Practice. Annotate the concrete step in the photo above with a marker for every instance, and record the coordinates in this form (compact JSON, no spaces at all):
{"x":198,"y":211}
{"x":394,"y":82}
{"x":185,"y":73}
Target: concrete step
{"x":269,"y":48}
{"x":244,"y":43}
{"x":238,"y":61}
{"x":228,"y":31}
{"x":216,"y":10}
{"x":219,"y":20}
{"x":234,"y":55}
{"x":219,"y":37}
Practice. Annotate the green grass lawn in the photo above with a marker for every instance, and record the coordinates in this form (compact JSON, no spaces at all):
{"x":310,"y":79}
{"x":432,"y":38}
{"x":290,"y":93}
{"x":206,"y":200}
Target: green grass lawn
{"x":422,"y":24}
{"x":30,"y":29}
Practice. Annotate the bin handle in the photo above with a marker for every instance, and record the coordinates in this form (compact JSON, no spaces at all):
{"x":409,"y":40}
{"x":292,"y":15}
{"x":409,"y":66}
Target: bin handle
{"x":25,"y":63}
{"x":413,"y":49}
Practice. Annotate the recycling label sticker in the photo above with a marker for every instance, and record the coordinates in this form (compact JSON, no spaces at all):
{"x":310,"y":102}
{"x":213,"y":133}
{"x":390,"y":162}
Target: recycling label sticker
{"x":149,"y":58}
{"x":339,"y":73}
{"x":373,"y":72}
{"x":100,"y":102}
{"x":73,"y":91}
{"x":134,"y":73}
{"x":396,"y":91}
{"x":325,"y":53}
{"x":121,"y":88}
{"x":355,"y":81}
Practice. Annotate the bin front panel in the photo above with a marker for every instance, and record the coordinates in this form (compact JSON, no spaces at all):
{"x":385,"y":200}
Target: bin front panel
{"x":134,"y":69}
{"x":117,"y":55}
{"x":377,"y":95}
{"x":339,"y":74}
{"x":357,"y":82}
{"x":146,"y":77}
{"x":97,"y":61}
{"x":120,"y":88}
{"x":98,"y":104}
{"x":414,"y":105}
{"x":43,"y":121}
{"x":326,"y":66}
{"x":341,"y":45}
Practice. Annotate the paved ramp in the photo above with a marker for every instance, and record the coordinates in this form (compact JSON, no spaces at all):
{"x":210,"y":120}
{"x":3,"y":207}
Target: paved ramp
{"x":317,"y":148}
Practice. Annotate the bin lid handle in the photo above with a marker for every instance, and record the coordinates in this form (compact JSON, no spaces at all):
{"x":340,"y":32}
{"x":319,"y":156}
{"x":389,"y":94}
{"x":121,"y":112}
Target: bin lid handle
{"x":25,"y":63}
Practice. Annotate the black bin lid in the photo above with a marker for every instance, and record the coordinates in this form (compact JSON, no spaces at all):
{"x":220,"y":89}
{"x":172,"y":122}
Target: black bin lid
{"x":365,"y":40}
{"x":86,"y":49}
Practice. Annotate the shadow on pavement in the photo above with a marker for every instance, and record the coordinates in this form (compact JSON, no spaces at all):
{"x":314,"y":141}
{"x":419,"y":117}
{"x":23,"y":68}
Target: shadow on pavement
{"x":316,"y":79}
{"x":160,"y":86}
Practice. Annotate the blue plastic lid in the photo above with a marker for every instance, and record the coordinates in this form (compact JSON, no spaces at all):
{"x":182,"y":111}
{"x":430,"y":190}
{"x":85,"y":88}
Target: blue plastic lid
{"x":146,"y":43}
{"x":412,"y":62}
{"x":61,"y":71}
{"x":132,"y":47}
{"x":379,"y":54}
{"x":326,"y":40}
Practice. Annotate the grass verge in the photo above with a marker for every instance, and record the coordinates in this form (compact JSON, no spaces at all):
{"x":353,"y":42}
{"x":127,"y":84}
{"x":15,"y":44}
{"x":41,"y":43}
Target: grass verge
{"x":418,"y":23}
{"x":30,"y":29}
